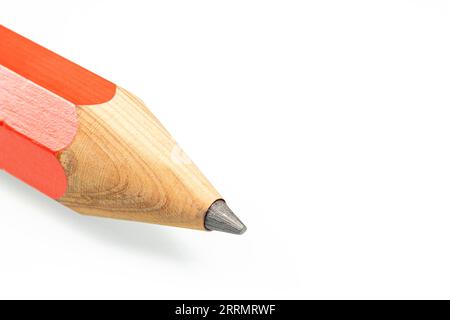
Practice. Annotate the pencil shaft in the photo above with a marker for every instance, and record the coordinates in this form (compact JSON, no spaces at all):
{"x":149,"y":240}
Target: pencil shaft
{"x":95,"y":147}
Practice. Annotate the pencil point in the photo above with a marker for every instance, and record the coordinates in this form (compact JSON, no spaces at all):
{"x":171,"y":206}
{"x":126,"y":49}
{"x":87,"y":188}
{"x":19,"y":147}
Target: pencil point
{"x":220,"y":218}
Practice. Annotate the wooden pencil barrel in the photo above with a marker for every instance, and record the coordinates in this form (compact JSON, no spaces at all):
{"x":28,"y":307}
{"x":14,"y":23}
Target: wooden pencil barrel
{"x":91,"y":145}
{"x":124,"y":164}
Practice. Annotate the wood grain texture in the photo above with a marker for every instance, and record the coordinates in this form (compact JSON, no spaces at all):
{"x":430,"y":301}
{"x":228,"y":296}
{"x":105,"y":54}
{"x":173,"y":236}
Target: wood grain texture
{"x":123,"y":164}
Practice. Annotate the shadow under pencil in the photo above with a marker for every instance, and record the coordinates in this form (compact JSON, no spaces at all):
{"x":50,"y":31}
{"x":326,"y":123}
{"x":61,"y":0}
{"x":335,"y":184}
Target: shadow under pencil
{"x":142,"y":238}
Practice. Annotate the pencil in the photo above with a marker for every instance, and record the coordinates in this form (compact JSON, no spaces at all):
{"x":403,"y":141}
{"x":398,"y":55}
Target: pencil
{"x":95,"y":147}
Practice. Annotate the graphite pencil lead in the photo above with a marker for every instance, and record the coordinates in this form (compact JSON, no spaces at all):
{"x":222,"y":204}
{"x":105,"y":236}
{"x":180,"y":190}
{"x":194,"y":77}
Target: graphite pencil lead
{"x":220,"y":218}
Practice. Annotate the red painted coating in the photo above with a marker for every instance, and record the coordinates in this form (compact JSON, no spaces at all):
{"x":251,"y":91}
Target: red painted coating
{"x":38,"y":93}
{"x":51,"y":71}
{"x":31,"y":163}
{"x":35,"y":112}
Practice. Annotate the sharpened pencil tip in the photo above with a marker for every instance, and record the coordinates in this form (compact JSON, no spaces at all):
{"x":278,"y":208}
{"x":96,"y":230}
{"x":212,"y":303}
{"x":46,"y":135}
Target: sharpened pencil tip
{"x":220,"y":218}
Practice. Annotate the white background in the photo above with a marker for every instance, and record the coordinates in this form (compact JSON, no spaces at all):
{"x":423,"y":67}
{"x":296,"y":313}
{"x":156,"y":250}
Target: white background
{"x":325,"y":124}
